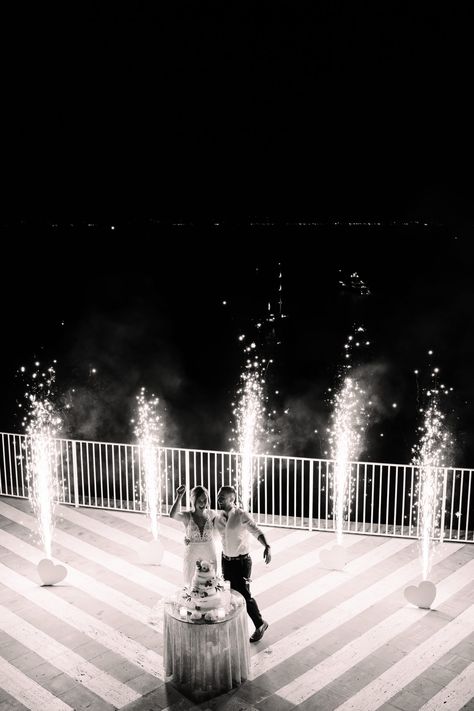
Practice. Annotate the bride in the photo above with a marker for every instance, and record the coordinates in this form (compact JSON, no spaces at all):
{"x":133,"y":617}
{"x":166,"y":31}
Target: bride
{"x":199,"y":529}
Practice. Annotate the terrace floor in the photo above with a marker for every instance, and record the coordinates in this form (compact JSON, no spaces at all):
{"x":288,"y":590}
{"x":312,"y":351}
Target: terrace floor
{"x":345,"y":640}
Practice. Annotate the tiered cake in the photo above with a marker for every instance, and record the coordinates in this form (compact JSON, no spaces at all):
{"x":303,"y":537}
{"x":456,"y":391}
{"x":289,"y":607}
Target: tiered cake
{"x":205,"y":591}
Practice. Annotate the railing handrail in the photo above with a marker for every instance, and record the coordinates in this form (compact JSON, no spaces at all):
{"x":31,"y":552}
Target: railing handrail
{"x":285,"y":490}
{"x":352,"y":462}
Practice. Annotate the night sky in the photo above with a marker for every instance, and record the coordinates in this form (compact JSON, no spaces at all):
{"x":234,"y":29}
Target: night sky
{"x":255,"y":118}
{"x":156,"y":319}
{"x":297,"y":109}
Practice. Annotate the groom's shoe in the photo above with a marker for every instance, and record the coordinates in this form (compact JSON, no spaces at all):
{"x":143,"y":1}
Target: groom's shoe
{"x":259,"y":632}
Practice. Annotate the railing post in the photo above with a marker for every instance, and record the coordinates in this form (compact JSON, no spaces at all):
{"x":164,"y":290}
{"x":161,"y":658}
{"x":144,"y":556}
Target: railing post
{"x":188,"y":480}
{"x":310,"y":525}
{"x":74,"y":473}
{"x":443,"y":506}
{"x":254,"y":460}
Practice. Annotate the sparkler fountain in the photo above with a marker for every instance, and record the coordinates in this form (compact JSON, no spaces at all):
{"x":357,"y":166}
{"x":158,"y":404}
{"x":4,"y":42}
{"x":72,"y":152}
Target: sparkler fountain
{"x":429,"y":458}
{"x":149,"y":434}
{"x":41,"y":424}
{"x":249,"y":414}
{"x":345,"y":438}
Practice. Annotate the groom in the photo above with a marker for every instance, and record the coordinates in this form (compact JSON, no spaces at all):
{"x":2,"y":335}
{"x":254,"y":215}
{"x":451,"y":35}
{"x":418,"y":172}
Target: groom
{"x":234,"y":525}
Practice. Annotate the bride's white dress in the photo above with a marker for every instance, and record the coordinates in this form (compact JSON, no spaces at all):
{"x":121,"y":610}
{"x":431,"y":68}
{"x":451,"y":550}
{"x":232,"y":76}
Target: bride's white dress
{"x":199,"y":546}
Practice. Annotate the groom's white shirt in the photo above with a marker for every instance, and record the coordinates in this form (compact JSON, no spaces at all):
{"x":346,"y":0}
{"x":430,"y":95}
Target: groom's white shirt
{"x":234,"y":531}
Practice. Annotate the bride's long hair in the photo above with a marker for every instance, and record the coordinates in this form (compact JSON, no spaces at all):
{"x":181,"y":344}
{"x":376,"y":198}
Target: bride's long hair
{"x":196,"y":492}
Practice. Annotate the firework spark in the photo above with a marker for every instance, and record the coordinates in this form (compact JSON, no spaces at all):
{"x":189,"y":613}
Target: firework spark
{"x":354,"y":282}
{"x":249,"y":414}
{"x":346,"y":438}
{"x":429,"y":458}
{"x":253,"y":430}
{"x":149,"y":432}
{"x":346,"y":435}
{"x":41,"y":424}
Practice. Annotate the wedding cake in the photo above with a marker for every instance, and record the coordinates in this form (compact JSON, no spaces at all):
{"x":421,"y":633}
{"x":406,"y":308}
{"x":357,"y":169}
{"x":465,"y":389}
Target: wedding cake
{"x":205,"y":587}
{"x":205,"y":594}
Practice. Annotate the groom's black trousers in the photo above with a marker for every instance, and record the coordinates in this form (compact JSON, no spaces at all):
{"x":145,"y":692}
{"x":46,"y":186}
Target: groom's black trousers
{"x":238,"y":572}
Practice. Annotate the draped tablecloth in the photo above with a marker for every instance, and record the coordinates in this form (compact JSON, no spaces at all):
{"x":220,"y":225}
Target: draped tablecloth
{"x":204,"y":659}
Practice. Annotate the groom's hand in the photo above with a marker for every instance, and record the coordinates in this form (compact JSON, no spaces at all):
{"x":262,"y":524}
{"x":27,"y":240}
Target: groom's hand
{"x":267,"y":556}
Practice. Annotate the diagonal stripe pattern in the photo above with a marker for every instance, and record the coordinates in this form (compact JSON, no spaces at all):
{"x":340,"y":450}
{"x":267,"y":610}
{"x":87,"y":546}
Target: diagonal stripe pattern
{"x":95,"y":628}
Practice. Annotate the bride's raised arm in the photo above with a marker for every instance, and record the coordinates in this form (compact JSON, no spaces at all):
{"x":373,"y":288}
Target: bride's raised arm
{"x":174,"y":513}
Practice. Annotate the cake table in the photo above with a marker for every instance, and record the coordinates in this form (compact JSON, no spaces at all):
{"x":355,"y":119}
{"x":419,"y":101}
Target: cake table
{"x":203,"y":658}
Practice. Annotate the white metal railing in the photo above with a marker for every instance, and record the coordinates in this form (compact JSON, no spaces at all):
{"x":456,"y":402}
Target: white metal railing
{"x":292,"y":492}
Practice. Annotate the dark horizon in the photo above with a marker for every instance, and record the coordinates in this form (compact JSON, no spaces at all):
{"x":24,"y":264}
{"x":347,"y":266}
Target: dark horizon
{"x":160,"y":323}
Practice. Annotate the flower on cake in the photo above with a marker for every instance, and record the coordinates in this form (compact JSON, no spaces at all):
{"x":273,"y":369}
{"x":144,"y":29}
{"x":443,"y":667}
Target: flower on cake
{"x":203,"y":566}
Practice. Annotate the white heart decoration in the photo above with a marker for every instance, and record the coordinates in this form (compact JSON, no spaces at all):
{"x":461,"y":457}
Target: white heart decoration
{"x":335,"y":558}
{"x":151,"y":553}
{"x":49,"y":573}
{"x":421,"y":595}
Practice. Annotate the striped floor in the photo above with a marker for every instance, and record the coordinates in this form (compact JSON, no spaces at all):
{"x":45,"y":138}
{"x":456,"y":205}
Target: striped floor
{"x":344,"y":640}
